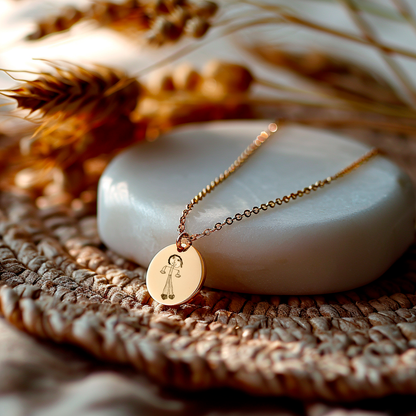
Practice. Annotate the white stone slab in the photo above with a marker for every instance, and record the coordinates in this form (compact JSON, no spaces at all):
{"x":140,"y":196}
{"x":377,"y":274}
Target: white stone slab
{"x":338,"y":238}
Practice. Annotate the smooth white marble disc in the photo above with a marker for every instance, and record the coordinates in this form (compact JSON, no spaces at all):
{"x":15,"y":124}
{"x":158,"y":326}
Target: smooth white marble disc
{"x":338,"y":238}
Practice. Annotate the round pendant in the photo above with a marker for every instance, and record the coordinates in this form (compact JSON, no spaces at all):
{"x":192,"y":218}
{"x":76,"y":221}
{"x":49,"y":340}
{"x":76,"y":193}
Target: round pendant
{"x":174,"y":278}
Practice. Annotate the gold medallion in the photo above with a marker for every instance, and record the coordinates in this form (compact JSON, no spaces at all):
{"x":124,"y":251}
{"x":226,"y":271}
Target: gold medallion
{"x":175,"y":277}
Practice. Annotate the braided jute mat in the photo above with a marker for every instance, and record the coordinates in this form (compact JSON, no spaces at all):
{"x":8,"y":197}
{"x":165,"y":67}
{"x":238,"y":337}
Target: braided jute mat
{"x":59,"y":282}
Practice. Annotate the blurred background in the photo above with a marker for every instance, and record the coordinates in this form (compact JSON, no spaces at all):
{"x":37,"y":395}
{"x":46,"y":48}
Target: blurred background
{"x":341,"y":64}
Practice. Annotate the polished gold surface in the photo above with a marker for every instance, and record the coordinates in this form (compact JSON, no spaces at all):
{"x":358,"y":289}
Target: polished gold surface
{"x":175,"y":277}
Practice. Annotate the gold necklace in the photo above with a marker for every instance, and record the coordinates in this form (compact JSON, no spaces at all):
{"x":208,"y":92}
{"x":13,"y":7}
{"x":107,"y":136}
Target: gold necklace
{"x":182,"y":260}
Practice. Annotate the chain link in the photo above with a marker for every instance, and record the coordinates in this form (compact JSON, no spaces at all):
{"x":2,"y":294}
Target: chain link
{"x":256,"y":144}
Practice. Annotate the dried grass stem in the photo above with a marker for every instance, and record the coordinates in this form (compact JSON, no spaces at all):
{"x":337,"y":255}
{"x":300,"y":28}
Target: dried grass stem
{"x":284,"y":17}
{"x":390,"y":110}
{"x":406,"y":12}
{"x":369,"y":34}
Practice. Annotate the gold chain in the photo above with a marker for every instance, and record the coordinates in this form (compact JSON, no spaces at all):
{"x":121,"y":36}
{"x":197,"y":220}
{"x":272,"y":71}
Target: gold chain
{"x":261,"y":139}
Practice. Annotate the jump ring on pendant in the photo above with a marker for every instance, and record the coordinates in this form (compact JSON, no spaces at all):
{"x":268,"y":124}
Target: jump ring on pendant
{"x":183,"y":242}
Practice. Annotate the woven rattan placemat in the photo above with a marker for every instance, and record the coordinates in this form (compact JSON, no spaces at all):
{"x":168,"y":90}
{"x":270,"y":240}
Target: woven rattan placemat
{"x":58,"y":281}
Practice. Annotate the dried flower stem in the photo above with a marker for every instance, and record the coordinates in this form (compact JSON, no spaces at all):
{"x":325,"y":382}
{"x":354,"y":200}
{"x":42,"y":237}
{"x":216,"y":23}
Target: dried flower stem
{"x":390,"y":110}
{"x":368,"y":118}
{"x":378,"y":9}
{"x":336,"y":106}
{"x":406,"y":12}
{"x":283,"y":17}
{"x":406,"y":125}
{"x":349,"y":121}
{"x":370,"y":35}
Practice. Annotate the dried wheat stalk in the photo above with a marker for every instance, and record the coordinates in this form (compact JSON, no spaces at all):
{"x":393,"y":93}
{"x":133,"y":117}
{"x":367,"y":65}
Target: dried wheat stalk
{"x":72,"y":90}
{"x":162,"y":20}
{"x":367,"y":36}
{"x":67,"y":18}
{"x":87,"y":113}
{"x":184,"y":95}
{"x":82,"y":113}
{"x":355,"y":91}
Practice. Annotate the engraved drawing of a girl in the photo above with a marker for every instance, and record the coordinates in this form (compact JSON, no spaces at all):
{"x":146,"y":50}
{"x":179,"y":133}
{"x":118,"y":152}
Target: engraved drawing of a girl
{"x":175,"y":262}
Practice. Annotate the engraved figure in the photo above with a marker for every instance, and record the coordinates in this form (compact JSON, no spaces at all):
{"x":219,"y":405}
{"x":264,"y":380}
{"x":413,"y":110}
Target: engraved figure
{"x":174,"y":263}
